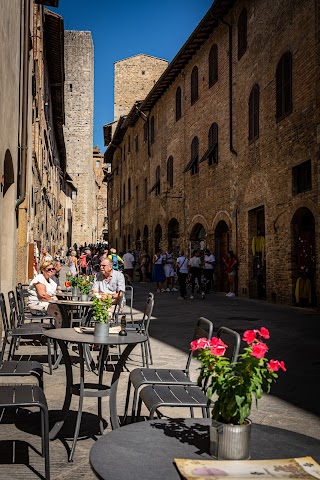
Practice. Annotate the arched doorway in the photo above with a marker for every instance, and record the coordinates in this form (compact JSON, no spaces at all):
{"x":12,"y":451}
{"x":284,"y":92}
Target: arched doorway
{"x":157,"y":238}
{"x":7,"y":236}
{"x":303,"y":249}
{"x":173,"y":236}
{"x":145,"y":239}
{"x":221,"y":237}
{"x":197,"y":238}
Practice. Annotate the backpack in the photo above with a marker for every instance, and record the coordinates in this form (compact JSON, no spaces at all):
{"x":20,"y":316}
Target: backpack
{"x":114,"y":258}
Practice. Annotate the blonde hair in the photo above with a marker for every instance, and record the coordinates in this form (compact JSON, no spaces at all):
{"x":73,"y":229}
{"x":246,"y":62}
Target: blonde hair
{"x":73,"y":253}
{"x":113,"y":250}
{"x":45,"y":264}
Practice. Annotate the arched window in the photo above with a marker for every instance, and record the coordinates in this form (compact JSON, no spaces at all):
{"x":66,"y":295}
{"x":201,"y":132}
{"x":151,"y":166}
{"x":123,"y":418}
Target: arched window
{"x":157,"y":189}
{"x":129,"y":188}
{"x":284,"y":86}
{"x":194,"y":85}
{"x":242,"y":32}
{"x":213,"y":65}
{"x":170,"y":171}
{"x":213,"y":144}
{"x":152,"y":130}
{"x":195,"y":155}
{"x":178,"y":104}
{"x":136,"y":143}
{"x":254,"y":113}
{"x":145,"y":133}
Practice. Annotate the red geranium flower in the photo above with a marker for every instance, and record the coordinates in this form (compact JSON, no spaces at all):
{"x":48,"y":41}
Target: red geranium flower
{"x":249,"y":336}
{"x":218,"y":347}
{"x":259,"y":349}
{"x":200,"y":344}
{"x":274,"y":365}
{"x":264,"y":332}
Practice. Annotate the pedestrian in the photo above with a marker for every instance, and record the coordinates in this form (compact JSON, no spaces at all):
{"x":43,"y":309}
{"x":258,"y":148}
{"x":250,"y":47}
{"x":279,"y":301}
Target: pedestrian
{"x":182,"y":269}
{"x":232,"y":264}
{"x":209,"y":264}
{"x":158,"y":275}
{"x":56,"y":275}
{"x":128,"y":262}
{"x":73,"y":263}
{"x":83,"y":263}
{"x":168,"y":263}
{"x":195,"y":265}
{"x":116,"y":259}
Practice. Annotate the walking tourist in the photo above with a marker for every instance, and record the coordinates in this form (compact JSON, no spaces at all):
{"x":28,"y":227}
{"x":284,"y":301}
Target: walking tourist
{"x":168,"y":263}
{"x":116,"y":259}
{"x":209,"y":264}
{"x":195,"y":265}
{"x":182,"y":269}
{"x":231,"y":264}
{"x":128,"y":262}
{"x":158,"y":275}
{"x":73,"y":263}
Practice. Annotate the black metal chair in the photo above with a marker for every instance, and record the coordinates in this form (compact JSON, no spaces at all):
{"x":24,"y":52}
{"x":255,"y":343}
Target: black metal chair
{"x":191,"y":396}
{"x":143,"y":327}
{"x":160,"y":376}
{"x":15,"y":330}
{"x":26,"y":315}
{"x":22,"y":368}
{"x":23,"y":396}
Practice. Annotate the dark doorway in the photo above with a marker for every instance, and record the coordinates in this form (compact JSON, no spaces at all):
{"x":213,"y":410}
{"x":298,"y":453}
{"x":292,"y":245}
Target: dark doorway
{"x":138,"y":241}
{"x":173,"y":236}
{"x":221,"y":237}
{"x":145,"y":239}
{"x":197,"y":238}
{"x":303,"y":249}
{"x":256,"y":254}
{"x":157,"y":238}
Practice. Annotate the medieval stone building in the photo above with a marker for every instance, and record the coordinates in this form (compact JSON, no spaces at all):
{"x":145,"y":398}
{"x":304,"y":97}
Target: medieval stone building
{"x":100,"y":170}
{"x":223,"y":151}
{"x":78,"y":132}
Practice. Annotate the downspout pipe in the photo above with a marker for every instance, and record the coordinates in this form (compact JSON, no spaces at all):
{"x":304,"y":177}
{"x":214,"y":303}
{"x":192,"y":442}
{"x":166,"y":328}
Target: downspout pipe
{"x":120,"y":203}
{"x":232,"y":149}
{"x":23,"y":147}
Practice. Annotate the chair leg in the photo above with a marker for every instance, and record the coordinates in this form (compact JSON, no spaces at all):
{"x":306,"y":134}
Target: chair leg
{"x":138,"y":411}
{"x":4,"y":344}
{"x":46,"y":442}
{"x":150,"y":353}
{"x":134,"y":413}
{"x":127,"y":402}
{"x":146,"y":353}
{"x":49,"y":355}
{"x":11,"y":348}
{"x":142,"y":355}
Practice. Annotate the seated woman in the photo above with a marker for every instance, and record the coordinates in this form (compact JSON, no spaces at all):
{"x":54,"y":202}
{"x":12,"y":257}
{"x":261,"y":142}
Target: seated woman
{"x":42,"y":289}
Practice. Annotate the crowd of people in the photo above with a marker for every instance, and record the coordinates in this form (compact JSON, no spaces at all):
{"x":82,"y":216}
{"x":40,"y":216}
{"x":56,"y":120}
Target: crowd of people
{"x":112,"y":270}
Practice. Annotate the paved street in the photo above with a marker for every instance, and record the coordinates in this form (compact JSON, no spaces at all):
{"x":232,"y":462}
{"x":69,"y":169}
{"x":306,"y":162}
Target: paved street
{"x":293,"y":403}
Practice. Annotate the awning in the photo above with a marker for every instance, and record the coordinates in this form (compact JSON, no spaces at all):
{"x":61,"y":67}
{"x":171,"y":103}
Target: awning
{"x":154,"y":186}
{"x":190,"y":164}
{"x":206,"y":155}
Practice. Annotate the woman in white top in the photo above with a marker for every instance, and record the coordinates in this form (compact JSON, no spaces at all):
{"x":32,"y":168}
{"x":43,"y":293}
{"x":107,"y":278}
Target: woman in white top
{"x":73,"y":263}
{"x":42,"y":289}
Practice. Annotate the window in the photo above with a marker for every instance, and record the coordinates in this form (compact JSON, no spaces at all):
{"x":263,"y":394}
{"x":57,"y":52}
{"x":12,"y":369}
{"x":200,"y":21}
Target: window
{"x":157,"y":189}
{"x":152,"y":130}
{"x":178,"y":104}
{"x":136,"y":143}
{"x":193,"y":164}
{"x":194,"y":85}
{"x":124,"y":193}
{"x":284,"y":86}
{"x":137,"y":196}
{"x":98,"y":163}
{"x":70,"y":87}
{"x":170,"y":171}
{"x":129,"y":144}
{"x":301,"y":178}
{"x":124,"y":153}
{"x":213,"y":144}
{"x":145,"y":133}
{"x":254,"y":113}
{"x":213,"y":65}
{"x":129,"y":188}
{"x":145,"y":189}
{"x":242,"y":33}
{"x":74,"y":195}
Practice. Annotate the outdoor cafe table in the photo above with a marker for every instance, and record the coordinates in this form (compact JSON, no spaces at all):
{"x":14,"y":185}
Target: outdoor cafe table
{"x":65,"y":306}
{"x":65,"y":335}
{"x":145,"y":450}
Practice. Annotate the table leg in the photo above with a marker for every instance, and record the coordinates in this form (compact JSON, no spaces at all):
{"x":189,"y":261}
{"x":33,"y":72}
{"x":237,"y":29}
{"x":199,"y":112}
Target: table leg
{"x":114,"y":386}
{"x":68,"y":394}
{"x":81,"y":395}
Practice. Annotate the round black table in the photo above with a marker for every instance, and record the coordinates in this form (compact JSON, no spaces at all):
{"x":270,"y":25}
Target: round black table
{"x":65,"y":335}
{"x":146,"y":450}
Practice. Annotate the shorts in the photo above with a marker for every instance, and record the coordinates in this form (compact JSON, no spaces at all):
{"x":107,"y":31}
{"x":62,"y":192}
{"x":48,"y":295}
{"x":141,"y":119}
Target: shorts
{"x":168,"y":270}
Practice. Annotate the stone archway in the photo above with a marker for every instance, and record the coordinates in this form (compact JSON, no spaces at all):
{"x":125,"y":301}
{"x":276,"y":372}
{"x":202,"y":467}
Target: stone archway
{"x":303,"y":248}
{"x":8,"y":226}
{"x":221,"y":240}
{"x":198,"y":238}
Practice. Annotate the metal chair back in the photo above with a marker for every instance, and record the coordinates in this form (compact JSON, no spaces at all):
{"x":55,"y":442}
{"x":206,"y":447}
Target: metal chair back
{"x":15,"y":317}
{"x":145,"y":322}
{"x":233,"y":340}
{"x":204,"y":329}
{"x":4,"y":315}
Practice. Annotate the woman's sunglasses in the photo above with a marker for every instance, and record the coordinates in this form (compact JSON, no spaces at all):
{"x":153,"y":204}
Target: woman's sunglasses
{"x":49,"y":269}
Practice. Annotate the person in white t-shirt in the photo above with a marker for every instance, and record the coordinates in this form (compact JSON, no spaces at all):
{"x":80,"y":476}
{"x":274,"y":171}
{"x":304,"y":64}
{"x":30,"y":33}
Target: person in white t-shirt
{"x":168,"y":262}
{"x":129,"y":262}
{"x":182,"y":268}
{"x":195,"y":266}
{"x":42,"y":289}
{"x":209,"y":264}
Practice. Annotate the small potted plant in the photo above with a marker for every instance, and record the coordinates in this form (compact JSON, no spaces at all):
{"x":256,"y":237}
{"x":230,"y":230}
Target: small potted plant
{"x":85,"y":287}
{"x":234,"y":386}
{"x":73,"y":281}
{"x":101,"y":315}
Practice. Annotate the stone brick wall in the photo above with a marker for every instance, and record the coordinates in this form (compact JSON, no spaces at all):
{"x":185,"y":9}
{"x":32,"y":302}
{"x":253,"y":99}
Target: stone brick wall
{"x":78,"y":132}
{"x":133,"y":79}
{"x":251,"y":186}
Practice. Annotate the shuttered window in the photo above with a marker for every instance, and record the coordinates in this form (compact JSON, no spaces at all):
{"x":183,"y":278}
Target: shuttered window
{"x":170,"y":171}
{"x":213,"y":65}
{"x":254,"y":113}
{"x":178,"y":104}
{"x":284,"y":86}
{"x":152,"y":130}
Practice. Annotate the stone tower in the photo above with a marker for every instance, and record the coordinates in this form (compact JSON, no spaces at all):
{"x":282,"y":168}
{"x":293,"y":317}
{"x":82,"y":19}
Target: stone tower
{"x":133,"y":79}
{"x":78,"y":132}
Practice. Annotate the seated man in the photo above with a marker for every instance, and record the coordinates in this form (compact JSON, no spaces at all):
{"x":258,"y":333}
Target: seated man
{"x":109,"y":281}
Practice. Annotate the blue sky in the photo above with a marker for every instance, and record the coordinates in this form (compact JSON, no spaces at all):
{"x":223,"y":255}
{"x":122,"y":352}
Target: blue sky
{"x":124,"y":28}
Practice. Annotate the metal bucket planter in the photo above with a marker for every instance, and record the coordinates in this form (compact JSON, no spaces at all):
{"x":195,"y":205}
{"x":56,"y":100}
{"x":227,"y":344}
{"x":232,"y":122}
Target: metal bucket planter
{"x":230,"y":442}
{"x":75,"y":292}
{"x":84,"y":297}
{"x":101,"y":330}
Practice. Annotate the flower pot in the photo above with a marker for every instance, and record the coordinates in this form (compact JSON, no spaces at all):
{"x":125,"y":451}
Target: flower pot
{"x":101,"y":330}
{"x":84,"y":297}
{"x":75,"y":291}
{"x":230,"y":442}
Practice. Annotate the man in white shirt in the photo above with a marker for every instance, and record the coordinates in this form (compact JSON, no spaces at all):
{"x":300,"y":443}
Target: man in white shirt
{"x":129,"y":262}
{"x":169,"y":270}
{"x":108,"y":281}
{"x":195,"y":265}
{"x":209,"y":263}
